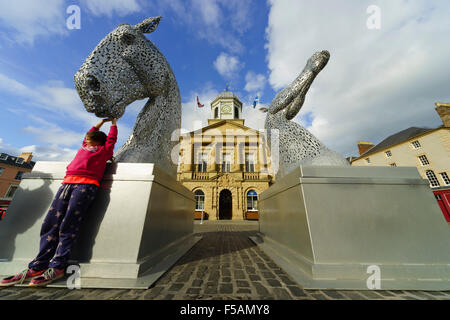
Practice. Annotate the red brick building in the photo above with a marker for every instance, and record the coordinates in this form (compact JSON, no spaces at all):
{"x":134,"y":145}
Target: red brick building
{"x":11,"y":170}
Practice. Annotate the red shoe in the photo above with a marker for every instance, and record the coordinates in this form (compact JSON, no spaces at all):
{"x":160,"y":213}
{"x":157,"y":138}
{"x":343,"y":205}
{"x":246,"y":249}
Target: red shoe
{"x":50,"y":275}
{"x":25,"y":276}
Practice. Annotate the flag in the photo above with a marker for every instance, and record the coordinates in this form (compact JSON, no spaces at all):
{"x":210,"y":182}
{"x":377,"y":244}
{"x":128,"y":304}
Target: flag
{"x":199,"y":104}
{"x":255,"y":102}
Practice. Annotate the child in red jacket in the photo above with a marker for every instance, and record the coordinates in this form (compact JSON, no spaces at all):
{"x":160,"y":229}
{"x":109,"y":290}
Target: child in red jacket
{"x":61,"y":225}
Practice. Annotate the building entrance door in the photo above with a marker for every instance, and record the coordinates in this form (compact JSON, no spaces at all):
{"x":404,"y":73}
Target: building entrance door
{"x":225,"y":205}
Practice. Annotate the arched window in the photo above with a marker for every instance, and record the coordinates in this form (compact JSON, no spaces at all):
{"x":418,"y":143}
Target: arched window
{"x":199,"y":200}
{"x":252,"y":201}
{"x":434,"y":182}
{"x":236,"y":113}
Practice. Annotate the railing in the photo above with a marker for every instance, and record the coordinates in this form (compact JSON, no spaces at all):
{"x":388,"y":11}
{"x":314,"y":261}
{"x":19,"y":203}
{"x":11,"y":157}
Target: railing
{"x":200,"y":175}
{"x":251,"y":175}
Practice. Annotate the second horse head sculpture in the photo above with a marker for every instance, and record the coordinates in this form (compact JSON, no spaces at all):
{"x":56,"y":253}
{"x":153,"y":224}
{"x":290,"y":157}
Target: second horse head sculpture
{"x":297,"y":146}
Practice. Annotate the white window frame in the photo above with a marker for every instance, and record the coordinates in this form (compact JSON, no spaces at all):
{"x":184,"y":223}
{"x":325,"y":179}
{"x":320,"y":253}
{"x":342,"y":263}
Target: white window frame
{"x":414,"y":146}
{"x":254,"y":202}
{"x":202,"y":163}
{"x":445,"y":178}
{"x":434,"y":182}
{"x":21,"y":175}
{"x":199,"y":199}
{"x":423,"y":160}
{"x":249,"y":162}
{"x":9,"y":189}
{"x":3,"y":156}
{"x":226,"y":162}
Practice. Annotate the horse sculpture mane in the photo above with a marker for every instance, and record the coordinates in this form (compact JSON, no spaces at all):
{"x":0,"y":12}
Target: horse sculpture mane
{"x":125,"y":66}
{"x":297,"y":146}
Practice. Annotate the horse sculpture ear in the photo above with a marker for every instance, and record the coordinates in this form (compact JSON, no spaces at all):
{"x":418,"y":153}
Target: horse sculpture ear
{"x":148,"y":25}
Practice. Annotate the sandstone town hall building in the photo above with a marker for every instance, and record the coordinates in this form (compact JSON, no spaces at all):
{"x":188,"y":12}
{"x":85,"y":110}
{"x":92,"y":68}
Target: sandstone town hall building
{"x":225,"y":164}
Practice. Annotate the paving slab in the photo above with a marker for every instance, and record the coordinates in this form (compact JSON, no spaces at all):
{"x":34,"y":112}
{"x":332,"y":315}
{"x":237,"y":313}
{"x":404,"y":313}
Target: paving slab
{"x":224,"y":265}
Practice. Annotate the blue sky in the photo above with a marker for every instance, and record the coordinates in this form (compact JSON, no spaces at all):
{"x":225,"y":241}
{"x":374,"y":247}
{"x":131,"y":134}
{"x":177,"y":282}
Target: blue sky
{"x":377,"y":82}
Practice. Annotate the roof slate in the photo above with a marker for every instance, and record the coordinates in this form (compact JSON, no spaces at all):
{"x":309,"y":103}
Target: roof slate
{"x":11,"y":160}
{"x":397,"y":138}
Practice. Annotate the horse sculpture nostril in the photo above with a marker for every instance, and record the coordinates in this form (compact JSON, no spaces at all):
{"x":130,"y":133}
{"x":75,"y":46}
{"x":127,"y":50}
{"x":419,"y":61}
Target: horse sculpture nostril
{"x":93,"y":83}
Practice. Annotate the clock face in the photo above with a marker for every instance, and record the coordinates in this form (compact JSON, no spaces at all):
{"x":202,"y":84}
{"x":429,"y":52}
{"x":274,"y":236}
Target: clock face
{"x":226,"y":109}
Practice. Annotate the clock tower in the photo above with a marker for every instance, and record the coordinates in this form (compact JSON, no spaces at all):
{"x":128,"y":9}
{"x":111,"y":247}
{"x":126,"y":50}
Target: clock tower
{"x":226,"y":106}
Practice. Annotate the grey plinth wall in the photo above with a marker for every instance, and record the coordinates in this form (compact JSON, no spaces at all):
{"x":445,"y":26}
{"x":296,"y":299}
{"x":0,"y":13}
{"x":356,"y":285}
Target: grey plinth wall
{"x":141,"y":218}
{"x":326,"y":225}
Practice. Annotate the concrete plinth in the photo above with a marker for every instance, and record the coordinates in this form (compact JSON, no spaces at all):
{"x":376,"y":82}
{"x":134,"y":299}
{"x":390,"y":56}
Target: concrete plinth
{"x":139,"y":225}
{"x":341,"y":228}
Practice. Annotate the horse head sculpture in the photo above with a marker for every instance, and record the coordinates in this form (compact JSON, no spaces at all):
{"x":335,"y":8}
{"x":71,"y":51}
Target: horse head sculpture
{"x":124,"y":67}
{"x":297,"y":146}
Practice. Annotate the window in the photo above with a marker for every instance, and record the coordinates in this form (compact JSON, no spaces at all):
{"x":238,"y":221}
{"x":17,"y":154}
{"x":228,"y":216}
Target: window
{"x":445,"y":178}
{"x":393,"y":164}
{"x":388,"y":153}
{"x":432,"y":178}
{"x":216,"y":113}
{"x":226,"y":162}
{"x":416,"y":144}
{"x":423,"y":160}
{"x":3,"y":156}
{"x":11,"y":191}
{"x":252,"y":201}
{"x":199,"y":200}
{"x":19,"y":175}
{"x":202,"y":162}
{"x":249,"y":162}
{"x":1,"y":171}
{"x":368,"y":160}
{"x":236,"y":113}
{"x":19,"y":160}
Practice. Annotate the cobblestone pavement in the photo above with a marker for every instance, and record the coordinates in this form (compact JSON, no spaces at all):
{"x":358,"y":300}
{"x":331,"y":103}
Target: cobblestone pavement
{"x":226,"y":265}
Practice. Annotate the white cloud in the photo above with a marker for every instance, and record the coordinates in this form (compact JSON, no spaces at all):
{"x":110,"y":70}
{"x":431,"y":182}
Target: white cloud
{"x":49,"y":153}
{"x":227,"y":65}
{"x":8,"y":148}
{"x":50,"y":104}
{"x":377,"y":82}
{"x":28,"y":19}
{"x":220,"y":22}
{"x":209,"y":11}
{"x":254,"y":82}
{"x":12,"y":86}
{"x":55,"y":135}
{"x":51,"y":96}
{"x":110,"y":7}
{"x":253,"y":117}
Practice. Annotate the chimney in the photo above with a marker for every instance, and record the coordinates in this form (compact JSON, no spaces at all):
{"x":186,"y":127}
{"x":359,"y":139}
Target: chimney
{"x":364,"y":146}
{"x":443,"y":110}
{"x":27,"y":156}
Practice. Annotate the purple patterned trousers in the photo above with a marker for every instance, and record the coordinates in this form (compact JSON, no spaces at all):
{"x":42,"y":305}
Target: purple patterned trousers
{"x":61,"y":225}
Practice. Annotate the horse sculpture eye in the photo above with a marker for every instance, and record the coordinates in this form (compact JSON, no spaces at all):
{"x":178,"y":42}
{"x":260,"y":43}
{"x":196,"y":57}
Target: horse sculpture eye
{"x":128,"y":38}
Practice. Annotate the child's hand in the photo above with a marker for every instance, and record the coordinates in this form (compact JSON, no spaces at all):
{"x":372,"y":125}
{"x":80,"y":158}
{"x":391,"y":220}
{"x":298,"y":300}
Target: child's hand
{"x":114,"y":121}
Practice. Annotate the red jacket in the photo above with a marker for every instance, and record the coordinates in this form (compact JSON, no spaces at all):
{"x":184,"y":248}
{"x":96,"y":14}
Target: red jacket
{"x":90,"y":162}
